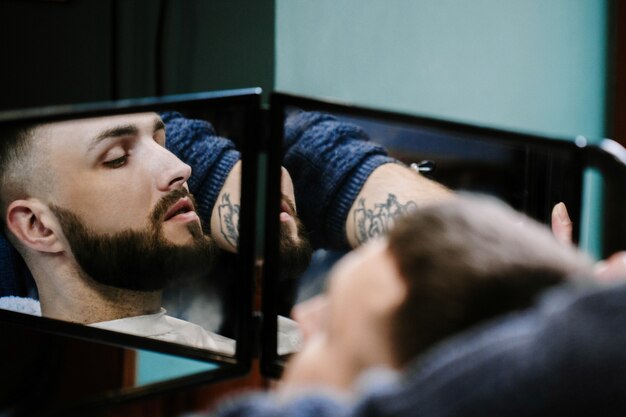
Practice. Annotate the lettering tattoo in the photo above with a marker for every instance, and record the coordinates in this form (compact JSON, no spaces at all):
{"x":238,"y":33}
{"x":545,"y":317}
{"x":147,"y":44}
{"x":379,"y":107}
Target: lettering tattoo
{"x":376,"y":221}
{"x":229,"y":220}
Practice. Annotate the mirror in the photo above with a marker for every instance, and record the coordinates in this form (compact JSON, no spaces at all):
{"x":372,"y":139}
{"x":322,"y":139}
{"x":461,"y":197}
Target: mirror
{"x":127,"y":224}
{"x":529,"y":172}
{"x":52,"y":372}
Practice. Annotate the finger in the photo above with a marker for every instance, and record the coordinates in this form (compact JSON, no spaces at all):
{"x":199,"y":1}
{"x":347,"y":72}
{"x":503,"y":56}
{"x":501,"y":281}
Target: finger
{"x":561,"y":224}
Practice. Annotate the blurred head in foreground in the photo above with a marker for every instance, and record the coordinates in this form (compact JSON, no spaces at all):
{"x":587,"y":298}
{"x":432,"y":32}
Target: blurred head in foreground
{"x":441,"y":270}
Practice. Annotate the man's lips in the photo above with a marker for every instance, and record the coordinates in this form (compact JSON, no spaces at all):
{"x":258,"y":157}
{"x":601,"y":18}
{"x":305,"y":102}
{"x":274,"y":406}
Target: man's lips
{"x":286,"y":211}
{"x":285,"y":208}
{"x":182,"y":206}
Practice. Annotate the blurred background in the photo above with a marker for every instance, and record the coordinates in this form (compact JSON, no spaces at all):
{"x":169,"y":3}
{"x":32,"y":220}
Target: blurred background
{"x":531,"y":65}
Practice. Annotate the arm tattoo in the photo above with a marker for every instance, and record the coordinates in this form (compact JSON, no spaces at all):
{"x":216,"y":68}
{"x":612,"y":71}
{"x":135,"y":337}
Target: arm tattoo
{"x":229,"y":220}
{"x":376,"y":221}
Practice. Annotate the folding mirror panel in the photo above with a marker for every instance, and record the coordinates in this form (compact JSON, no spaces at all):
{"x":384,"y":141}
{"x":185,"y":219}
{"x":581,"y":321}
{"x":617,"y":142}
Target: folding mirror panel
{"x":109,"y":265}
{"x":530,"y":172}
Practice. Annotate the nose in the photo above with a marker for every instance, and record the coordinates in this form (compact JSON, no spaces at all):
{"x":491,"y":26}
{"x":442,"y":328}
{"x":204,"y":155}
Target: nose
{"x":286,"y":185}
{"x":172,"y":173}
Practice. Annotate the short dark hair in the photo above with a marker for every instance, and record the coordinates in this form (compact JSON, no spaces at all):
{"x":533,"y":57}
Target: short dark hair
{"x":467,"y":260}
{"x":15,"y":145}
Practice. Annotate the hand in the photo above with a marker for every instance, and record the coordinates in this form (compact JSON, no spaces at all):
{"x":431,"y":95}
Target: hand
{"x":320,"y":363}
{"x":311,"y":315}
{"x":611,"y":269}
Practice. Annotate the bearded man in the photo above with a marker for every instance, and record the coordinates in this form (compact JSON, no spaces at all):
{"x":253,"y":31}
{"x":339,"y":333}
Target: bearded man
{"x":100,"y":211}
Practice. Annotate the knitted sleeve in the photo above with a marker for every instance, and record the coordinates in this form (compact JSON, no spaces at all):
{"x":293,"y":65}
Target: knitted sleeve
{"x":329,"y":162}
{"x":211,"y":157}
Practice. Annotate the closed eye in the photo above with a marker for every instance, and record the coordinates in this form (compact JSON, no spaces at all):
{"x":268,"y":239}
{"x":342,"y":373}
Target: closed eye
{"x":159,"y":136}
{"x":117,"y":162}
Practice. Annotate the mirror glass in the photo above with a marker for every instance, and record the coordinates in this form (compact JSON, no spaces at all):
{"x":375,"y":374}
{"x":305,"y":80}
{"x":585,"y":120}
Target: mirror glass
{"x":530,"y":173}
{"x":102,"y":211}
{"x":48,"y":371}
{"x":121,"y":232}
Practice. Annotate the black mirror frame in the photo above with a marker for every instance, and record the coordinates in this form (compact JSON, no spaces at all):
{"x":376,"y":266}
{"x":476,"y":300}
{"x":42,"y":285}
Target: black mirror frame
{"x":609,"y":159}
{"x":249,"y":99}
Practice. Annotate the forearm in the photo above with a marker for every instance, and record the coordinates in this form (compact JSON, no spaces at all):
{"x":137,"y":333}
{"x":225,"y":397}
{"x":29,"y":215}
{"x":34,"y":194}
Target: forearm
{"x":390,"y":191}
{"x":225,"y":213}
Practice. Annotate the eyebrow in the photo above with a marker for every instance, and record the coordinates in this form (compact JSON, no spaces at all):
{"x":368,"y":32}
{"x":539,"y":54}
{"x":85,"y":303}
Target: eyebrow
{"x":120,"y":131}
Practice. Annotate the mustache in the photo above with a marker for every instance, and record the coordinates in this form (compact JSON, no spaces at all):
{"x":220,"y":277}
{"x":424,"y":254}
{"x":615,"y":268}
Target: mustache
{"x":163,"y":205}
{"x":286,"y":200}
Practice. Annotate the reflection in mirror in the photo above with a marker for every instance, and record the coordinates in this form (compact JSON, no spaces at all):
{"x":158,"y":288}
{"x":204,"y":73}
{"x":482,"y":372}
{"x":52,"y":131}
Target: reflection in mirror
{"x":347,"y":190}
{"x":353,"y":175}
{"x":152,"y":367}
{"x":48,"y":372}
{"x":126,"y":222}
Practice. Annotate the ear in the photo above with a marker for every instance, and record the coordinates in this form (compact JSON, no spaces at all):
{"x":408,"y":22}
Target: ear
{"x":34,"y":225}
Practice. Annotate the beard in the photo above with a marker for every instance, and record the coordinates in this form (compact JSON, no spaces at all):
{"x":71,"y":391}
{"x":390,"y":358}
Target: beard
{"x":139,"y":260}
{"x":295,"y":257}
{"x":295,"y":254}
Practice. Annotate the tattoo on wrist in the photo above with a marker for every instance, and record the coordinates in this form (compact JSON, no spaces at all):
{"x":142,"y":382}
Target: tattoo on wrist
{"x":377,"y":220}
{"x":229,"y":220}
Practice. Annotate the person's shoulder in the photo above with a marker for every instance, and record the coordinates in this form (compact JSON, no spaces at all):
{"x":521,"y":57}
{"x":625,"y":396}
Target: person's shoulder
{"x":567,"y":344}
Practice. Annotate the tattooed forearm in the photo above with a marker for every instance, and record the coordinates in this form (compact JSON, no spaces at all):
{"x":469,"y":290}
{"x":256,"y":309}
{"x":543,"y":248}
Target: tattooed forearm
{"x":229,"y":220}
{"x":379,"y":218}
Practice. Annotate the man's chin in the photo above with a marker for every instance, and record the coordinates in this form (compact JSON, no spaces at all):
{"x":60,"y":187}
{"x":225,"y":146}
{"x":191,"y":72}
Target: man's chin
{"x":182,"y":234}
{"x":289,"y":227}
{"x":295,"y":248}
{"x":138,"y":260}
{"x":180,"y":238}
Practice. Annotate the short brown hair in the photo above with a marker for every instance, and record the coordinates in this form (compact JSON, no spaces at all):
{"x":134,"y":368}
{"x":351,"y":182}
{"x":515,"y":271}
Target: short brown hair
{"x":467,"y":260}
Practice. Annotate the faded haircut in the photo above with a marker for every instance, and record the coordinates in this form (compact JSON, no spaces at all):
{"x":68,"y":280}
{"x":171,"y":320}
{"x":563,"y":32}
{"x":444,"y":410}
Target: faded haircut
{"x":468,"y":260}
{"x":15,"y":164}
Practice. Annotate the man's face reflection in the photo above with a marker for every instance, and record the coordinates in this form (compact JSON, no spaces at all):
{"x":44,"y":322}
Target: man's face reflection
{"x":294,"y":246}
{"x":141,"y":260}
{"x":122,"y":202}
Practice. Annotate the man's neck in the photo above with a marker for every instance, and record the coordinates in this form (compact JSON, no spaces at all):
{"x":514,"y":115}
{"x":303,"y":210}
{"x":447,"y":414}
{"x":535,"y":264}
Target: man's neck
{"x":80,"y":299}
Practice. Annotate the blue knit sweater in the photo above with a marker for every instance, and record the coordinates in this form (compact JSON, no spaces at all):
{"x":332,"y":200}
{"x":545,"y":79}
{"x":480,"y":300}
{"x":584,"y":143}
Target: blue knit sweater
{"x":329,"y":162}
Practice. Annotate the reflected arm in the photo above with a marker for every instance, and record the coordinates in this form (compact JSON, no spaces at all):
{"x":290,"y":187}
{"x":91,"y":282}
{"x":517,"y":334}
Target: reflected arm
{"x":347,"y":188}
{"x":390,"y":191}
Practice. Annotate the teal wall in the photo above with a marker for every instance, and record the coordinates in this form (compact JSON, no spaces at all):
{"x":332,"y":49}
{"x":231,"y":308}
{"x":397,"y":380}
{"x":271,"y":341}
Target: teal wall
{"x":531,"y":65}
{"x":537,"y":66}
{"x":152,"y":367}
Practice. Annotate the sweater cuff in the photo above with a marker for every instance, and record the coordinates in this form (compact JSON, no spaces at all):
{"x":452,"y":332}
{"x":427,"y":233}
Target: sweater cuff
{"x":208,"y":189}
{"x":340,"y":208}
